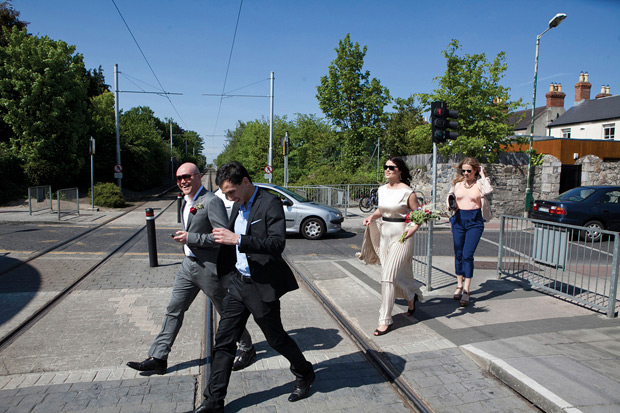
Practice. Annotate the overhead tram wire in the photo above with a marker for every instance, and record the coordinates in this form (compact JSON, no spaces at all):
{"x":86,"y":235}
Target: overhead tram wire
{"x":232,"y":47}
{"x":161,"y":87}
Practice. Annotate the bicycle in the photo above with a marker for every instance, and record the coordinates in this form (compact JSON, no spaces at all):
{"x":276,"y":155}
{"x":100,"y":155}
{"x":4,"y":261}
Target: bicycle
{"x":369,"y":202}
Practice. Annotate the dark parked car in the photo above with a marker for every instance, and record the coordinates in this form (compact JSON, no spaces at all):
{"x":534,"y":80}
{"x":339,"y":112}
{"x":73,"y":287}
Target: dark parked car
{"x":594,"y":207}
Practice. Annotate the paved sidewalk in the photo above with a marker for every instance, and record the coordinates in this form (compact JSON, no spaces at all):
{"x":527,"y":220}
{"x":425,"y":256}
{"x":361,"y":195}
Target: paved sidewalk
{"x":560,"y":356}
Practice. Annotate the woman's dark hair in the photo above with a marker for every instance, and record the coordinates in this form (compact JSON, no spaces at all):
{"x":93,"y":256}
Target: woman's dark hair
{"x":405,"y":176}
{"x":233,"y":172}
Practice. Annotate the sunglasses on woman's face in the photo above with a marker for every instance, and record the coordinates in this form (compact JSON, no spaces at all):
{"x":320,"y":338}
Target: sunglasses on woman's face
{"x":466,"y":171}
{"x":390,"y":167}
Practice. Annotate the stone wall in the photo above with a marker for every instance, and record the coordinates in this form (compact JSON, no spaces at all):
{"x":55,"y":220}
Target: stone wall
{"x":508,"y":181}
{"x":596,"y":172}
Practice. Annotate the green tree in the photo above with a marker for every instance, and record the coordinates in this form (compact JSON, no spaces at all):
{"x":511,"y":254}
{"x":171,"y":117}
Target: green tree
{"x":95,"y":82}
{"x":103,"y":129}
{"x":187,"y":145}
{"x":143,"y":152}
{"x":472,"y":86}
{"x":9,"y":18}
{"x":399,"y":137}
{"x":44,"y":105}
{"x":314,"y":151}
{"x":354,"y":102}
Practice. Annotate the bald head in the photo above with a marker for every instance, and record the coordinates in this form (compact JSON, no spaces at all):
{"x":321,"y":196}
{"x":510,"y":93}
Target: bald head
{"x":188,"y":179}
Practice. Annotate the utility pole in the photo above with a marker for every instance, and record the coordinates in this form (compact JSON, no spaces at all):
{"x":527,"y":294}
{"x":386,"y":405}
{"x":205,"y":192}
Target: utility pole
{"x":171,"y":158}
{"x":118,"y":168}
{"x":285,"y":152}
{"x":91,"y":149}
{"x":270,"y":156}
{"x":118,"y":134}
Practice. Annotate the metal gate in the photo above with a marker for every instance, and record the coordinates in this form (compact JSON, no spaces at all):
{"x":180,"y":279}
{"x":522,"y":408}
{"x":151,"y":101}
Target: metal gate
{"x":553,"y":257}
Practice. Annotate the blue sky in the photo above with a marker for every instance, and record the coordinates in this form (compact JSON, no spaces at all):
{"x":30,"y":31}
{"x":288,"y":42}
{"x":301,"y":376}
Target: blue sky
{"x":188,"y":45}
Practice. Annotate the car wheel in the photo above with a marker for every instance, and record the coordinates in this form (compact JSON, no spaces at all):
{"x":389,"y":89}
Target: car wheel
{"x":313,"y":228}
{"x":593,"y":233}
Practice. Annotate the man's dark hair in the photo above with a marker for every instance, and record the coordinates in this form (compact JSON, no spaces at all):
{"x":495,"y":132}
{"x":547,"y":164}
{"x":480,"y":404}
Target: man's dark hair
{"x":233,"y":172}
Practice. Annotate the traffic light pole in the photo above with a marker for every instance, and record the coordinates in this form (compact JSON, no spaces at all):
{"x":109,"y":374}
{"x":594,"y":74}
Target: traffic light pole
{"x":285,"y":144}
{"x":431,"y":224}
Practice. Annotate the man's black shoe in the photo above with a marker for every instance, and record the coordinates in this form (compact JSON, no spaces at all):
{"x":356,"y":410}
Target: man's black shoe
{"x":245,"y":359}
{"x":204,"y":409}
{"x":158,"y":366}
{"x":302,"y":387}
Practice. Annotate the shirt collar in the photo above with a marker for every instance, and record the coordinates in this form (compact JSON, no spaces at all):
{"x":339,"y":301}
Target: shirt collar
{"x":243,"y":208}
{"x":195,"y":196}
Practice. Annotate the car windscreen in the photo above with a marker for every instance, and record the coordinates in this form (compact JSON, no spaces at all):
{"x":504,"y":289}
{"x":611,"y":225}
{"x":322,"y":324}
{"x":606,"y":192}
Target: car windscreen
{"x":576,"y":194}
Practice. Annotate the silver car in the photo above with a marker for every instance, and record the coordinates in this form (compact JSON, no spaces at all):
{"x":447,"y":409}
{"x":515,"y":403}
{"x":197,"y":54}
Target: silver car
{"x":311,"y":219}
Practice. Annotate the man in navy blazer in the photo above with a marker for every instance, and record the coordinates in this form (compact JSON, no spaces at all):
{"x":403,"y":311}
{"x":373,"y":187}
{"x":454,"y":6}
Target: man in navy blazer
{"x":251,"y":251}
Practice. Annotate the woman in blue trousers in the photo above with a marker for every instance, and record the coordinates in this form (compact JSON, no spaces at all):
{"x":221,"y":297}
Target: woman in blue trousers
{"x":467,"y":197}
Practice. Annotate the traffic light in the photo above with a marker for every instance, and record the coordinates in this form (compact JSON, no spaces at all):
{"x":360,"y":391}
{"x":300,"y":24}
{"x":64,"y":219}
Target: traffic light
{"x":284,"y":142}
{"x":440,"y":123}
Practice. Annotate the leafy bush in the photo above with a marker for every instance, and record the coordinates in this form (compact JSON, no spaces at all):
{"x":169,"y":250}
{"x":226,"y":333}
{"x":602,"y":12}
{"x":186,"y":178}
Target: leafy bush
{"x":108,"y":195}
{"x":12,"y":181}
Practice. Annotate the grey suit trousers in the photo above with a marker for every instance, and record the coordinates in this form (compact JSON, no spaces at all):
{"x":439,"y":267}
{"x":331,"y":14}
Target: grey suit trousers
{"x":190,"y":279}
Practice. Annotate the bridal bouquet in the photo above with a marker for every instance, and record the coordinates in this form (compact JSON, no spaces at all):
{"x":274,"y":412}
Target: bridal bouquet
{"x":421,"y":215}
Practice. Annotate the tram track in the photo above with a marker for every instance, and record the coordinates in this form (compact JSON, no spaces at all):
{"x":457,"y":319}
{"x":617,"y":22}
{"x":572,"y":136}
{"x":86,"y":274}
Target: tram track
{"x":7,"y":338}
{"x":372,"y":354}
{"x":49,"y":305}
{"x":366,"y":347}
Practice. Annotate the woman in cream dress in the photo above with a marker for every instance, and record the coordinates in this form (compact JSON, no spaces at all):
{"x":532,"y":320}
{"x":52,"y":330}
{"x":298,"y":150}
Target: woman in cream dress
{"x":396,"y":200}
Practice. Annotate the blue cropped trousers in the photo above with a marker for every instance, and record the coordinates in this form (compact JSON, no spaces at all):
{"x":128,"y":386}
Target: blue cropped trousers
{"x":467,"y":228}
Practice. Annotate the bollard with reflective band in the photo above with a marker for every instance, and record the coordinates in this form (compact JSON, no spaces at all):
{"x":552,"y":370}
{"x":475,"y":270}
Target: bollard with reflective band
{"x":179,"y":197}
{"x":151,"y":237}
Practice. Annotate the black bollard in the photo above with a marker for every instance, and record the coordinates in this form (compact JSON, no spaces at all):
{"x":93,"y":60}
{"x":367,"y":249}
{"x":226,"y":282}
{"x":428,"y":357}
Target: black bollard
{"x":179,"y":197}
{"x":151,"y":237}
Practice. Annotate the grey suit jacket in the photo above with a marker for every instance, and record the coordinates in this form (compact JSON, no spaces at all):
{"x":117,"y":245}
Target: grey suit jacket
{"x":200,"y":225}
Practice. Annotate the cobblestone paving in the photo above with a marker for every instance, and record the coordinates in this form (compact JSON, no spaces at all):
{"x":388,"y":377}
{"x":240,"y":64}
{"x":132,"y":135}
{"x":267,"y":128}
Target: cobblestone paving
{"x":441,"y":374}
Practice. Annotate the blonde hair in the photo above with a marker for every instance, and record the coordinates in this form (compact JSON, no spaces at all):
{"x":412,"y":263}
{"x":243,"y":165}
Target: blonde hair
{"x":473,"y":162}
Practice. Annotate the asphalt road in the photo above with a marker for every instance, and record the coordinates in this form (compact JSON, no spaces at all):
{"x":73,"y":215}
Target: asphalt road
{"x":345,"y":244}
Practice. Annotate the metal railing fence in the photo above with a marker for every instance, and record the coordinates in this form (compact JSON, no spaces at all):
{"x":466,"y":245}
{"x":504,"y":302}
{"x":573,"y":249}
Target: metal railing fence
{"x":68,"y":201}
{"x":559,"y":259}
{"x":342,"y":196}
{"x":39,"y":198}
{"x":422,"y":260}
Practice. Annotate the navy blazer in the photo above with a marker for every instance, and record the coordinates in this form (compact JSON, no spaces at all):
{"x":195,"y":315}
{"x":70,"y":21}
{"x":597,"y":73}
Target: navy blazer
{"x":263,"y":245}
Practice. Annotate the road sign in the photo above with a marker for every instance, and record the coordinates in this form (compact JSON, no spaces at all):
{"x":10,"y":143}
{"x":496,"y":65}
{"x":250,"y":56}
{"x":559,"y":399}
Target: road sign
{"x":118,"y":168}
{"x":268,"y":169}
{"x":118,"y":175}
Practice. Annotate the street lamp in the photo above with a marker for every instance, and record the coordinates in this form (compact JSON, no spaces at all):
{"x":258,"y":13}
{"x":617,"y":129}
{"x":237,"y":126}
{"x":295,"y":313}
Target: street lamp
{"x":557,"y":19}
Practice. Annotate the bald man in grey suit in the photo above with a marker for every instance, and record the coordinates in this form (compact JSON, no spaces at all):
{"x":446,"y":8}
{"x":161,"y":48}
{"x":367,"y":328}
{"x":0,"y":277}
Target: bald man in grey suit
{"x":201,"y":212}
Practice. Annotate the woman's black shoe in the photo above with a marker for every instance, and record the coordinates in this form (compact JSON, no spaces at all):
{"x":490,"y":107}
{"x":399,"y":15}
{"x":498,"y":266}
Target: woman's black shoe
{"x":410,"y":311}
{"x":380,"y":333}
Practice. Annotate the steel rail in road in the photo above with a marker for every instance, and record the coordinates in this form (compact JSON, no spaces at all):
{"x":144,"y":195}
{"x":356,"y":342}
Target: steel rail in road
{"x":49,"y":305}
{"x":372,"y":354}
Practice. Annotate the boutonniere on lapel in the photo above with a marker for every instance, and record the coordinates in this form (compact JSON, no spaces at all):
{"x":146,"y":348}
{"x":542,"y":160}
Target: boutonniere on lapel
{"x":195,"y":208}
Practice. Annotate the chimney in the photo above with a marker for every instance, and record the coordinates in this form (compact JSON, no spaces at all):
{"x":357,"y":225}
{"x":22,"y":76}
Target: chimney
{"x":555,"y":96}
{"x":604,"y":92}
{"x":582,"y":88}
